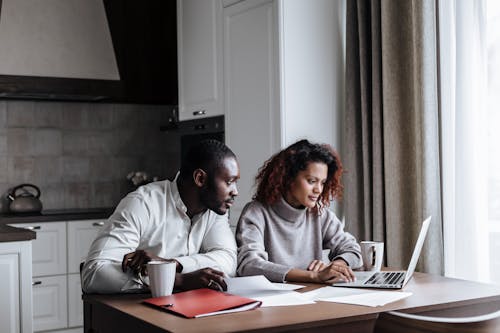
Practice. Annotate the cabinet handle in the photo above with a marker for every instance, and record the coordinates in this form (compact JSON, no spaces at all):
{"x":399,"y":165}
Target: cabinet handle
{"x":199,"y":113}
{"x":98,"y":224}
{"x":33,"y":228}
{"x":36,"y":283}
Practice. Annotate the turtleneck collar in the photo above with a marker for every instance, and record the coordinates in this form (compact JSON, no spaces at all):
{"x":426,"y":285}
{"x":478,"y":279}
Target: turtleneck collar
{"x":287,"y":212}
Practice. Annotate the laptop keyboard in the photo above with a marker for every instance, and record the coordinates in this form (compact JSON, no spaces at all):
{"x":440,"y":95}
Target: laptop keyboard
{"x":386,"y":278}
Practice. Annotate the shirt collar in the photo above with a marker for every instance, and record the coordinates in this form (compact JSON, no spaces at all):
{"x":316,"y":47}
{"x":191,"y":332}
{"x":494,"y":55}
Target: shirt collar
{"x":287,"y":212}
{"x":179,"y":204}
{"x":174,"y":191}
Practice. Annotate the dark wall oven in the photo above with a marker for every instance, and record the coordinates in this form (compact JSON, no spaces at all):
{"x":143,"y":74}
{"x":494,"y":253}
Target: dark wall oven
{"x":193,"y":131}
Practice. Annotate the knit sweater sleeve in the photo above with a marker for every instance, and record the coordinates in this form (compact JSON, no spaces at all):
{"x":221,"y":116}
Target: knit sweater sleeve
{"x":252,"y":254}
{"x":342,"y":245}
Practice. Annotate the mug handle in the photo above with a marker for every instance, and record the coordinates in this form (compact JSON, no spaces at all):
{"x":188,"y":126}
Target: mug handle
{"x":374,"y":256}
{"x":143,"y":279}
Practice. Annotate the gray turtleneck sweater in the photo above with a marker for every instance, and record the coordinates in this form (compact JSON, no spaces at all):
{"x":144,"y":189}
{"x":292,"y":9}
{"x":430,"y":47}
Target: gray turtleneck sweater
{"x":274,"y":239}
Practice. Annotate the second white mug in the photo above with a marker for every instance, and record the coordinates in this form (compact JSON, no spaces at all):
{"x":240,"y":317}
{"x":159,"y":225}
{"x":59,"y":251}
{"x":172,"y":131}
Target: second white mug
{"x":372,"y":254}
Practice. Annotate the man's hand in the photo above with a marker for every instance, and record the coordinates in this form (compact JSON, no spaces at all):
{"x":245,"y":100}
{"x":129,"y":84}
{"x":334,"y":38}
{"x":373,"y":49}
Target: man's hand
{"x":202,"y":278}
{"x":137,"y":261}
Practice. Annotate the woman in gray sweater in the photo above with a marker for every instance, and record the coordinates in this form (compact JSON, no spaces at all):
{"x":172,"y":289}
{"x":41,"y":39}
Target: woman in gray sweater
{"x":281,"y":234}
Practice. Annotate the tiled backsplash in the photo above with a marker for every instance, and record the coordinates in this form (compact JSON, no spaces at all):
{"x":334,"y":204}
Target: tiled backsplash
{"x":79,"y":154}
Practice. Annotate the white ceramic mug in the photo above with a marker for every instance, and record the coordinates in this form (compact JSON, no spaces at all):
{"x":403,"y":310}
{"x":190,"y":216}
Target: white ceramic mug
{"x":161,"y":277}
{"x":372,"y":254}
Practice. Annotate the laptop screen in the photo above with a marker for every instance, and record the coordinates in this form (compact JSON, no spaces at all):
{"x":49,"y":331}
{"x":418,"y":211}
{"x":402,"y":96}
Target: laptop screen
{"x":417,"y":249}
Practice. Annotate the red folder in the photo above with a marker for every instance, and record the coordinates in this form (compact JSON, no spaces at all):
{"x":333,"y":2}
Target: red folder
{"x":202,"y":302}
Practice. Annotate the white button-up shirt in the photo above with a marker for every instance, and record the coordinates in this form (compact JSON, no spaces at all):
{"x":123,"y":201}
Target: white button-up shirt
{"x":154,"y":218}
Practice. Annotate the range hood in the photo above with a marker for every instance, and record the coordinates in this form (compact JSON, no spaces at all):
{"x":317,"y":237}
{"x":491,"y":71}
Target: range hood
{"x":56,"y":49}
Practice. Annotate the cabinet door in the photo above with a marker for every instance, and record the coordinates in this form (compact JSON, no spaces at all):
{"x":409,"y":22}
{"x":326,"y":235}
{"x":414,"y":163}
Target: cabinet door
{"x":49,"y":247}
{"x":10,"y":291}
{"x":251,"y":89}
{"x":50,"y":303}
{"x":199,"y":45}
{"x":75,"y":303}
{"x":81,"y":234}
{"x":15,"y":289}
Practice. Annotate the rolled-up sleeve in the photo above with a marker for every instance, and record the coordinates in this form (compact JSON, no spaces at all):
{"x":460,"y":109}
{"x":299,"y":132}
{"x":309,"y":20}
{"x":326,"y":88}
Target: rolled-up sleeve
{"x":102,"y":272}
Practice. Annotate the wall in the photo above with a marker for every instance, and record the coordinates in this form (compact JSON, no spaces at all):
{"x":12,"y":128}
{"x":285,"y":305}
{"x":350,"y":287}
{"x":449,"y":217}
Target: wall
{"x":312,"y":57}
{"x":79,"y":154}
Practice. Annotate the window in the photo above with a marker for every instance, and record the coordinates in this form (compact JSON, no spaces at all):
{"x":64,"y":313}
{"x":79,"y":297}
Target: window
{"x":493,"y":107}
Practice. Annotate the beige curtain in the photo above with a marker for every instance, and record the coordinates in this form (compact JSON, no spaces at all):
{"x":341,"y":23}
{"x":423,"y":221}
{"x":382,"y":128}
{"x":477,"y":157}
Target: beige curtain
{"x":391,"y":150}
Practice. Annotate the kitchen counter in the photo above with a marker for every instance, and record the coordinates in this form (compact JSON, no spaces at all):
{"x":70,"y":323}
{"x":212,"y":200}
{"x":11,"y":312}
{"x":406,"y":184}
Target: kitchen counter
{"x":11,"y":234}
{"x":57,"y":215}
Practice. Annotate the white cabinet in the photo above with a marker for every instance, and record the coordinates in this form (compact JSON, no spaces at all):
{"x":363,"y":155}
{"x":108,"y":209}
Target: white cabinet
{"x":58,"y":249}
{"x":75,"y":304}
{"x":80,"y":236}
{"x":50,"y":303}
{"x":199,"y":45}
{"x":283,"y":75}
{"x":9,"y":289}
{"x":15,"y":289}
{"x":49,"y":247}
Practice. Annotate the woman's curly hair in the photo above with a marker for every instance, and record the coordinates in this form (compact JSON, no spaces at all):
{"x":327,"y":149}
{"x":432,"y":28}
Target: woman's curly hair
{"x":276,"y":175}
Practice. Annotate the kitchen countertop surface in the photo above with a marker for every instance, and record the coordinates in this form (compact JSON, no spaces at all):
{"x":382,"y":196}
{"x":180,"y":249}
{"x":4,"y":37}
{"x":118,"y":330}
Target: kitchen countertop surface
{"x":11,"y":234}
{"x":57,"y":215}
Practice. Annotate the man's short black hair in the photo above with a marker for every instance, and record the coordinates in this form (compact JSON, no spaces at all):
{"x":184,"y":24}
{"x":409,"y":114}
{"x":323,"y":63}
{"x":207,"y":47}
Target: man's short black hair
{"x":207,"y":155}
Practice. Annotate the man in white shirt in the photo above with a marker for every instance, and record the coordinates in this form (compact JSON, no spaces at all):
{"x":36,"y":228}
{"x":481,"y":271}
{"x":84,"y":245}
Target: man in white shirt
{"x":183,"y":220}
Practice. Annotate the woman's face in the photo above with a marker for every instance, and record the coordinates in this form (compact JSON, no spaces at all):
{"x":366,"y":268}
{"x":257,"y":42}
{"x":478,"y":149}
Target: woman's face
{"x":307,"y":186}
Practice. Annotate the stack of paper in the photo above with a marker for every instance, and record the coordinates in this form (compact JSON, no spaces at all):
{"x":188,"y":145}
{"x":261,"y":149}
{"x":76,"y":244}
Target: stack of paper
{"x":364,"y":297}
{"x":282,"y":294}
{"x":256,"y":283}
{"x":270,"y":294}
{"x":377,"y":298}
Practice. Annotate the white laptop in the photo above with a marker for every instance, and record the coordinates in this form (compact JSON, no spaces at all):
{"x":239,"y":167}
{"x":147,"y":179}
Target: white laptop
{"x":390,"y":279}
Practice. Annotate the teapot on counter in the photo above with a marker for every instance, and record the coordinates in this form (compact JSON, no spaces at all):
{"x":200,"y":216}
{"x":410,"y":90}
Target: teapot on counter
{"x":24,"y":198}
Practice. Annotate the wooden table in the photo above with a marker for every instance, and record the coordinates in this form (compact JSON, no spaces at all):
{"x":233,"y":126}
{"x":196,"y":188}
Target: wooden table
{"x":432,"y":294}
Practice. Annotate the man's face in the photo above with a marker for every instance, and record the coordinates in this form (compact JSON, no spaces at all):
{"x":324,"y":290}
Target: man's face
{"x":220,"y":189}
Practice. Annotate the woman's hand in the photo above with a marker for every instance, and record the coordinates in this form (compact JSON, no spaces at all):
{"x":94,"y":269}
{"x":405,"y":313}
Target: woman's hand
{"x":335,"y":272}
{"x":316,"y":265}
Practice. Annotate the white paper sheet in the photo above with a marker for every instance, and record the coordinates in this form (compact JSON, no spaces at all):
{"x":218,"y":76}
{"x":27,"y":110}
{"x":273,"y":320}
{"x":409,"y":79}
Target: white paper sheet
{"x":287,"y":286}
{"x":256,"y":282}
{"x":270,"y":294}
{"x":328,"y":292}
{"x":377,"y":298}
{"x":284,"y":299}
{"x":365,"y":297}
{"x":244,"y":283}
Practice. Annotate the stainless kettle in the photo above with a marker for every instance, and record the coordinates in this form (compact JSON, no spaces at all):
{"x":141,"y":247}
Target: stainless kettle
{"x":25,"y":198}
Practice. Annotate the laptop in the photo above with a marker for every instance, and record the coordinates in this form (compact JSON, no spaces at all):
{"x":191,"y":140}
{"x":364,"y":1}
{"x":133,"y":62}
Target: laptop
{"x":389,"y":279}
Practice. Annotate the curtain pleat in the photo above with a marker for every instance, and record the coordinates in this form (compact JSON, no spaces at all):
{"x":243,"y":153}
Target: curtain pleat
{"x":391,"y":151}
